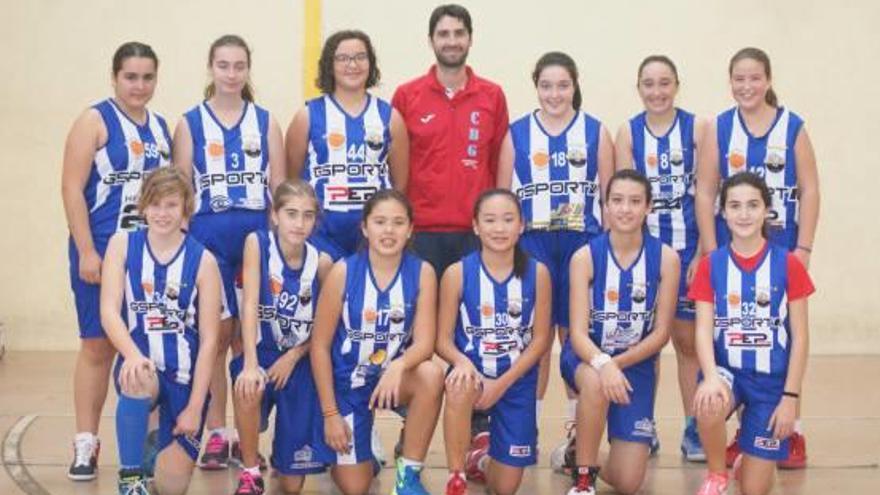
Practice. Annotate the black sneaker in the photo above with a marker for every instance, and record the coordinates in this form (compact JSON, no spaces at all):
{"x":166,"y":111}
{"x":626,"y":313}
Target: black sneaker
{"x":85,"y":459}
{"x":132,"y":482}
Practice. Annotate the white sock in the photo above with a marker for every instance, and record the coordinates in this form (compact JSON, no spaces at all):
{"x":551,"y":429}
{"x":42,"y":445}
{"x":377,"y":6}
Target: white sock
{"x":572,"y":409}
{"x":219,"y":431}
{"x":797,"y":427}
{"x":411,"y":463}
{"x":539,"y":406}
{"x":85,"y":436}
{"x":254,"y":471}
{"x":456,"y":474}
{"x":481,"y":464}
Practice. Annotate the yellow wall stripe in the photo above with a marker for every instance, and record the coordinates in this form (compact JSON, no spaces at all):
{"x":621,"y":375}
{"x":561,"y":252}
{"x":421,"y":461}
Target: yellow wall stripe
{"x":311,"y":46}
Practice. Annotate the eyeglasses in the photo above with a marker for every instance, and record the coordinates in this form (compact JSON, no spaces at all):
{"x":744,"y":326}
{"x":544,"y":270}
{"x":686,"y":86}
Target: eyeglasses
{"x":345,"y":59}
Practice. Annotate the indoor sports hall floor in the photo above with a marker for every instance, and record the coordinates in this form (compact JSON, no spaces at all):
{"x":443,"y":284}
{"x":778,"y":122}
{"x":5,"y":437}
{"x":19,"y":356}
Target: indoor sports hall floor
{"x":841,"y":418}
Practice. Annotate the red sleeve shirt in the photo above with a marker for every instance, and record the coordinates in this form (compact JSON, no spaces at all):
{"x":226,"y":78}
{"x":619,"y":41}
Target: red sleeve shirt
{"x":798,"y":286}
{"x":454,"y":147}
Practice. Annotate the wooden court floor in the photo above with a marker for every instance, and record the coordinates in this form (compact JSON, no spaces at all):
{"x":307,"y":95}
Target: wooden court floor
{"x":841,"y":420}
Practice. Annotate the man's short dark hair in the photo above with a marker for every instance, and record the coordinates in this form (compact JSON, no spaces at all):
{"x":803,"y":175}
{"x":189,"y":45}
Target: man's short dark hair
{"x":450,"y":10}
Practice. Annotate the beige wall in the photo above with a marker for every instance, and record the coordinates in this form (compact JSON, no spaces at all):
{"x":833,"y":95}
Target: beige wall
{"x":825,"y":67}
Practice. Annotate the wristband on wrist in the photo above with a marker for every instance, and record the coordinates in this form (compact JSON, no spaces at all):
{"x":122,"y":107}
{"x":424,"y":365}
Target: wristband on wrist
{"x":600,"y":360}
{"x":805,"y":248}
{"x":330,"y":412}
{"x":793,"y":395}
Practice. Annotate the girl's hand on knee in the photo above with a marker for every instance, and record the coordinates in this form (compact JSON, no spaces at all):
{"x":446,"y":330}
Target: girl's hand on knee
{"x":387,"y":392}
{"x":712,"y":397}
{"x":491,"y":394}
{"x":464,"y":376}
{"x":135,"y":373}
{"x":337,"y":434}
{"x":250,"y":383}
{"x":615,"y":386}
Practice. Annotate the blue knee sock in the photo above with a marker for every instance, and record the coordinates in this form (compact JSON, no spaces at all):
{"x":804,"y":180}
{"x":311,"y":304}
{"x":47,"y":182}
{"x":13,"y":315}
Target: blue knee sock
{"x":132,"y":417}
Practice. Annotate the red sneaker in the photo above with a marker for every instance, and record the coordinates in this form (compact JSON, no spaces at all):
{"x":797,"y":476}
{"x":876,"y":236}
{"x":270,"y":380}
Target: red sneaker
{"x":479,"y":449}
{"x":797,"y":453}
{"x":732,"y":451}
{"x":456,"y":485}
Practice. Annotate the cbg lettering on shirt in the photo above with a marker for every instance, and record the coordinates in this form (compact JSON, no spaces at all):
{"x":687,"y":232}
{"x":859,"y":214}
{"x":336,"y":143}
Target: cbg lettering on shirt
{"x":160,"y":306}
{"x":496,"y":318}
{"x":669,"y":163}
{"x":286,"y":308}
{"x":230,"y":165}
{"x":120,"y":166}
{"x":623,"y":299}
{"x":376,"y":325}
{"x":751,"y":312}
{"x":556,"y":177}
{"x":347,"y":160}
{"x":770,"y":156}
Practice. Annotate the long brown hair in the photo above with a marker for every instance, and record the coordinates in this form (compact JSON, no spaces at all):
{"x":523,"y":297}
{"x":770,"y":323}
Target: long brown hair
{"x":247,"y":92}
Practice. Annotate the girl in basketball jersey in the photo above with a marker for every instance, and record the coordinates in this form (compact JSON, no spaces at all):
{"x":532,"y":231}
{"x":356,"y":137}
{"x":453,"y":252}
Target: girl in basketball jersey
{"x":281,"y":278}
{"x":623,"y":292}
{"x":494,"y":326}
{"x":752,"y":340}
{"x":160,"y":306}
{"x":371,"y":349}
{"x":556,"y":159}
{"x":348,"y":143}
{"x":233,"y":151}
{"x":759,"y":136}
{"x":661,"y":143}
{"x":110,"y":148}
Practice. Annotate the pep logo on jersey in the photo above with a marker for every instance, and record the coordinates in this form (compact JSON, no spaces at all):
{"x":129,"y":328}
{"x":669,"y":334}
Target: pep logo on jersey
{"x":520,"y":451}
{"x":348,"y":195}
{"x":765,"y":443}
{"x":215,"y":149}
{"x":748,"y":340}
{"x":335,"y":139}
{"x":736,"y":159}
{"x":541,"y":159}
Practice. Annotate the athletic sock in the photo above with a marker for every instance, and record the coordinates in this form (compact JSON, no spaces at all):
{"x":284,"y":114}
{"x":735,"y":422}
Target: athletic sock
{"x":572,"y":409}
{"x":132,"y":416}
{"x":253,"y":471}
{"x":539,"y":406}
{"x":411,"y":463}
{"x":219,"y":431}
{"x":797,"y":427}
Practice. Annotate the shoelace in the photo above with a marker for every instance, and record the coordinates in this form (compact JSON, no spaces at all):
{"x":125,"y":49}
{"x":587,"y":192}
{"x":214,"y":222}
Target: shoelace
{"x":584,"y":482}
{"x":712,"y":485}
{"x":82,"y":451}
{"x":215,"y":445}
{"x":136,"y":487}
{"x":247,"y":483}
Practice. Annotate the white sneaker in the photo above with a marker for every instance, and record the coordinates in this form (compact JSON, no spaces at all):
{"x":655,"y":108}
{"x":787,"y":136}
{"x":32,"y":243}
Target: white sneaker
{"x":376,"y":447}
{"x":562,"y":458}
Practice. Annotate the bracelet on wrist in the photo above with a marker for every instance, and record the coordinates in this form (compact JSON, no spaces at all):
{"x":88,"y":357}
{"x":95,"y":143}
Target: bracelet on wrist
{"x":793,"y":395}
{"x":329,"y":413}
{"x":805,"y":248}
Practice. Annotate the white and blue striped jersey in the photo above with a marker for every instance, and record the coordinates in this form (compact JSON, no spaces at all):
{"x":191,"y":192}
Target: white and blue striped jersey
{"x":230,"y":164}
{"x":347,"y":160}
{"x":286,"y":309}
{"x":495,"y":318}
{"x":376,"y":325}
{"x":751,"y":312}
{"x":160,"y":305}
{"x":669,"y":163}
{"x":119,"y":168}
{"x":772,"y":157}
{"x":557,"y":177}
{"x":623,"y":299}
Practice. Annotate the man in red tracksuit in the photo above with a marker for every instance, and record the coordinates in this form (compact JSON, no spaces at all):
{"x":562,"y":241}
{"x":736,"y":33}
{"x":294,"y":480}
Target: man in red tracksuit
{"x":456,"y":122}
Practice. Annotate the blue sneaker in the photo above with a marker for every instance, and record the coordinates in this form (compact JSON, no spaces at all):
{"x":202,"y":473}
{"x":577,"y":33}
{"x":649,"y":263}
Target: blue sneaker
{"x":691,"y":447}
{"x":151,"y":451}
{"x":408,"y":480}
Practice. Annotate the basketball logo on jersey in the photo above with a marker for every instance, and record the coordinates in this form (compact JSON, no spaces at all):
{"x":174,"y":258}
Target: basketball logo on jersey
{"x":148,"y":287}
{"x":736,"y":159}
{"x":136,"y":147}
{"x":775,"y":160}
{"x":577,"y":155}
{"x":651,"y":160}
{"x":639,"y":293}
{"x":541,"y":159}
{"x":370,"y":315}
{"x":215,"y":149}
{"x":733,"y":299}
{"x":250,"y":144}
{"x":487,"y":310}
{"x":275,"y":285}
{"x":335,"y":139}
{"x":612,"y":295}
{"x":762,"y":296}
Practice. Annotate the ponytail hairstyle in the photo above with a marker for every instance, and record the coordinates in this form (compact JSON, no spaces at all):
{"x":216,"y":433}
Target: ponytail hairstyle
{"x":753,"y":180}
{"x":247,"y":92}
{"x":293,"y":188}
{"x":760,"y":56}
{"x":132,"y":49}
{"x":566,"y":62}
{"x":633,"y":175}
{"x":520,"y":258}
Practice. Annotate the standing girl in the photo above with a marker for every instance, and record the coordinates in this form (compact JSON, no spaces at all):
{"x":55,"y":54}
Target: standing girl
{"x":494,"y":327}
{"x":233,"y":152}
{"x":348,"y":144}
{"x":752,"y":340}
{"x":661,"y":143}
{"x":110,"y":148}
{"x":769,"y":140}
{"x":160,"y":305}
{"x":556,"y":159}
{"x":371,"y":349}
{"x":623,"y":293}
{"x":281,"y":278}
